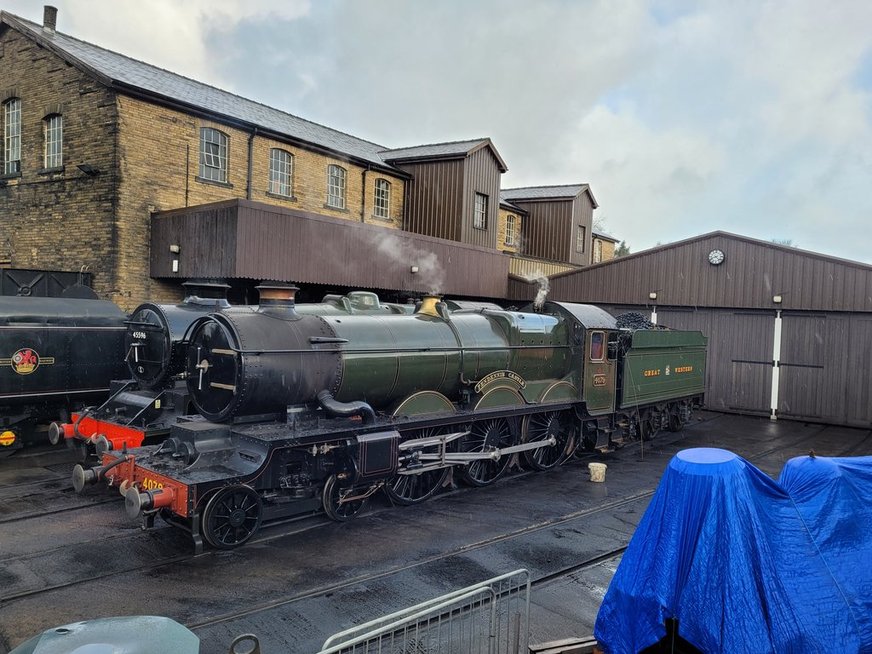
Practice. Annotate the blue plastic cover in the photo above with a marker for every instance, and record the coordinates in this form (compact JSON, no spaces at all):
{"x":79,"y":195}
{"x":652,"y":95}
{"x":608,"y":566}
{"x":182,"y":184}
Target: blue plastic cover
{"x":834,"y":498}
{"x":724,"y":550}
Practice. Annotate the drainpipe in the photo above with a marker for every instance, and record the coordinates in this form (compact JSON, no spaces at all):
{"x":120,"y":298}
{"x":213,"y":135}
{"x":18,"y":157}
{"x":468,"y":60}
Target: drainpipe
{"x":250,"y":162}
{"x":776,"y":365}
{"x":363,"y":195}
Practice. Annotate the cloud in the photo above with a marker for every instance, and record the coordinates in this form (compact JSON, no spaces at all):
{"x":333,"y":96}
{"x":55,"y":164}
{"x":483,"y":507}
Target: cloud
{"x":685,"y":117}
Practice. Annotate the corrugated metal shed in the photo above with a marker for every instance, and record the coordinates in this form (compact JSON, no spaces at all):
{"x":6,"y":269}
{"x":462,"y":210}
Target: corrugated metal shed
{"x":751,"y":274}
{"x":806,"y":357}
{"x":250,"y":240}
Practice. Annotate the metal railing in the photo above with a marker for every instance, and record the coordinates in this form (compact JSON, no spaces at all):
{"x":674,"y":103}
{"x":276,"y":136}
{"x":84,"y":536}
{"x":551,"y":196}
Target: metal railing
{"x":491,"y":617}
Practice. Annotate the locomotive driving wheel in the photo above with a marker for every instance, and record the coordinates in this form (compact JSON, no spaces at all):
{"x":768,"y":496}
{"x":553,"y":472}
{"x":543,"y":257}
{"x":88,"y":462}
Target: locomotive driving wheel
{"x":486,"y":436}
{"x":335,"y":501}
{"x":231,"y":517}
{"x":542,"y":427}
{"x":416,"y":488}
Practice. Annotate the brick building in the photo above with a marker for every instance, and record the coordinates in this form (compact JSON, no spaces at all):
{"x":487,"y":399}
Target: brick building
{"x":97,"y":146}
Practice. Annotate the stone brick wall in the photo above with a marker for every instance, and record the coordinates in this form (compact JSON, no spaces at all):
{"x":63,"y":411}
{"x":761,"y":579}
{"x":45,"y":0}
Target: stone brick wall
{"x":61,"y":219}
{"x":501,"y":231}
{"x":608,"y":249}
{"x":159,"y":170}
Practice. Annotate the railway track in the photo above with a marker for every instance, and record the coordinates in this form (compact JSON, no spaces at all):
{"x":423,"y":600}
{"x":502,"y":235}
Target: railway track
{"x":57,"y":571}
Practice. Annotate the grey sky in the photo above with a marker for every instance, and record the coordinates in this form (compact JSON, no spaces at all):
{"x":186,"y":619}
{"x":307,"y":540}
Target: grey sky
{"x":751,"y":116}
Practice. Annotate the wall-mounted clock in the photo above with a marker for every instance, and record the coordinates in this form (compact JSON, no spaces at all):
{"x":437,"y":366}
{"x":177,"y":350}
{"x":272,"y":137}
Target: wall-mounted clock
{"x":716,"y":257}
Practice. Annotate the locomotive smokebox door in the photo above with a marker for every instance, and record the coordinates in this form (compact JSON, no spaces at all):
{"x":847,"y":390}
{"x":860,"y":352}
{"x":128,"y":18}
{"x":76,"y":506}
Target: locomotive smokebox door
{"x":377,"y":454}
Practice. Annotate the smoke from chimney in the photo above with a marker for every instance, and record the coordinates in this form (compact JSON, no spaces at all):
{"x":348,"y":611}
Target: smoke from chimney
{"x":542,"y":280}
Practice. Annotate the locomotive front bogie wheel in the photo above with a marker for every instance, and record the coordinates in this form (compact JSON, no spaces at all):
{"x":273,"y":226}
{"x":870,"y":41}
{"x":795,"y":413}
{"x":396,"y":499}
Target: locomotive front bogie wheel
{"x":335,"y":504}
{"x":544,"y":426}
{"x":487,"y":436}
{"x":232,"y":516}
{"x":416,"y":488}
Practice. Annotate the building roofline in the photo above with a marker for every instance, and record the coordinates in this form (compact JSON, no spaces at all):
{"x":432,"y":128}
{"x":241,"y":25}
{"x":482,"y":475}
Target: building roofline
{"x":33,"y":31}
{"x":477,"y":144}
{"x":585,"y":188}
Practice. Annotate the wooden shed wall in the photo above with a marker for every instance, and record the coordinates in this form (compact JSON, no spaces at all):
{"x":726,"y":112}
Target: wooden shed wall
{"x":582,"y":215}
{"x":547,"y":229}
{"x":481,"y":175}
{"x":243,"y":239}
{"x":435,"y":198}
{"x":751,"y":274}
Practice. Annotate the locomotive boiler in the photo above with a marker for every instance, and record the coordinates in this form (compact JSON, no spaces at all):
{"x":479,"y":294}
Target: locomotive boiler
{"x":306,"y":413}
{"x":146,"y":406}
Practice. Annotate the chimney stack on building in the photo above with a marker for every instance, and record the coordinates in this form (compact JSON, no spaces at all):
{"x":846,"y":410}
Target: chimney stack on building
{"x":49,"y":18}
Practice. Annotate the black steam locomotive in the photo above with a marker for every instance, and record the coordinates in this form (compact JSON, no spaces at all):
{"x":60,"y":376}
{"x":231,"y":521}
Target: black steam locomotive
{"x":56,"y":355}
{"x":307,"y":412}
{"x":152,"y":397}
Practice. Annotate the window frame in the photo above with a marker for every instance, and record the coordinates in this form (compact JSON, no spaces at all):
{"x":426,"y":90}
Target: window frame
{"x":580,"y":238}
{"x":597,"y":251}
{"x":381,"y":207}
{"x":602,"y":347}
{"x":53,"y":141}
{"x":12,"y":142}
{"x":219,"y":157}
{"x":511,"y":221}
{"x":281,"y":173}
{"x":479,"y":214}
{"x":336,"y":192}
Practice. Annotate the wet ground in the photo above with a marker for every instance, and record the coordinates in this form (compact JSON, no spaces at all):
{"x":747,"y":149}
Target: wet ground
{"x":65,"y":558}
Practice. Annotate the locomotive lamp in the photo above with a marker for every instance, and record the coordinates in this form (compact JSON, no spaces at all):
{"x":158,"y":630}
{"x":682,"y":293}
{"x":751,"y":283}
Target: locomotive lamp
{"x":652,"y":295}
{"x":777,"y":298}
{"x":413,"y":269}
{"x":175,"y":249}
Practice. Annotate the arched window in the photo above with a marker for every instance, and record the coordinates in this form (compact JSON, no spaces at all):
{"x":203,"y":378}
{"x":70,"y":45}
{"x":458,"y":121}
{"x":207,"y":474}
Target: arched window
{"x":336,"y":187}
{"x":510,"y":229}
{"x":12,"y":136}
{"x":382,"y":207}
{"x":281,"y":171}
{"x":213,"y":155}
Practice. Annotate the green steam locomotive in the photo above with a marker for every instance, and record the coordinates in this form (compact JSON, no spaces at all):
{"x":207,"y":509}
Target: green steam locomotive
{"x":300,"y":413}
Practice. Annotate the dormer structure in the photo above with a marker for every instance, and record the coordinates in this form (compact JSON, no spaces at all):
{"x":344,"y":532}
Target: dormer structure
{"x":559,"y":222}
{"x":453,"y":190}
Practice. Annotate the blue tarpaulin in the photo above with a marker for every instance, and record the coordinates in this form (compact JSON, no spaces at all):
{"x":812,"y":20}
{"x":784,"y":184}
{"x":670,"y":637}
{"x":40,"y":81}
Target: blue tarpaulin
{"x":746,"y":564}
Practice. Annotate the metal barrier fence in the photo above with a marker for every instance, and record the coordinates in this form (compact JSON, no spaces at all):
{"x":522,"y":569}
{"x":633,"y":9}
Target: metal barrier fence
{"x":491,"y":617}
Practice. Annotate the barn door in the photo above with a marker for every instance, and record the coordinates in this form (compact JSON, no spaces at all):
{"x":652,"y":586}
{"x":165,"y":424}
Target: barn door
{"x":749,"y":338}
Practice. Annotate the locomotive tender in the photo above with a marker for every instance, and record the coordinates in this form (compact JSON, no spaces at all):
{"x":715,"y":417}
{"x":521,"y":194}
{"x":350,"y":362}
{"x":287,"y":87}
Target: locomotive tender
{"x":309,"y":412}
{"x":56,"y":355}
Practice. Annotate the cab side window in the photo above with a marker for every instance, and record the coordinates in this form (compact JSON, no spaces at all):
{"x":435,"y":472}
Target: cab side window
{"x":597,"y":346}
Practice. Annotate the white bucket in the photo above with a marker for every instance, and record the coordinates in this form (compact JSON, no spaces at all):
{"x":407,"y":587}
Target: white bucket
{"x":597,"y":471}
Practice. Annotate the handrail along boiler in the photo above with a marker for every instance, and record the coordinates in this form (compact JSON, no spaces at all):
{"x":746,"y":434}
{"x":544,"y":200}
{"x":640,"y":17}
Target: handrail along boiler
{"x":309,"y":412}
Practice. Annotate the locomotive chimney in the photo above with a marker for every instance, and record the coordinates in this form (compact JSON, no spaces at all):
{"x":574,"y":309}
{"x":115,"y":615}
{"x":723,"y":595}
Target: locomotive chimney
{"x":206,"y":292}
{"x":431,"y":305}
{"x":49,"y":18}
{"x":278,"y":298}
